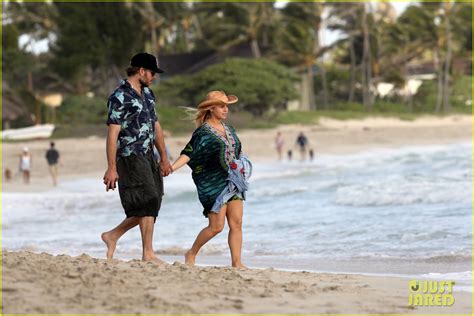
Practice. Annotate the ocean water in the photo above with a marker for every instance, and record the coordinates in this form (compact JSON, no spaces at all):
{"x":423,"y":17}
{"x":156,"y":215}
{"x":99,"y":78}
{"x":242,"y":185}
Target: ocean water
{"x":405,"y":211}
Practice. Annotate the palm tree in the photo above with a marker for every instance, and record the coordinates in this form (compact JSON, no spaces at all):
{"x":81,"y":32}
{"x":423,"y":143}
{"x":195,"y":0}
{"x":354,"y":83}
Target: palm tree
{"x":225,"y":25}
{"x":37,"y":20}
{"x":162,"y":22}
{"x":295,"y":48}
{"x":428,"y":28}
{"x":303,"y":22}
{"x":347,"y":19}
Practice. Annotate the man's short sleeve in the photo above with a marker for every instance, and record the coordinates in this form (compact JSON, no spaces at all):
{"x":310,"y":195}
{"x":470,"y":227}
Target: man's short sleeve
{"x":115,"y":111}
{"x":153,"y":111}
{"x":154,"y":117}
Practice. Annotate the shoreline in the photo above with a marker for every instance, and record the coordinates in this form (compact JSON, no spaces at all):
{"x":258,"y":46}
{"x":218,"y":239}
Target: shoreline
{"x":43,"y":184}
{"x":85,"y":157}
{"x":32,"y":284}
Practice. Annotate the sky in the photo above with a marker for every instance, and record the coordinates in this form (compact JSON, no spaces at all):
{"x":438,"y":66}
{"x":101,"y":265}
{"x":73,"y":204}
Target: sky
{"x":327,"y":37}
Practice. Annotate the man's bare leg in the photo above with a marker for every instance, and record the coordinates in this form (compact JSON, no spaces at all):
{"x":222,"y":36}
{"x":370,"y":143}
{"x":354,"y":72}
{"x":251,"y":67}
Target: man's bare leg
{"x":147,"y":225}
{"x":111,"y":237}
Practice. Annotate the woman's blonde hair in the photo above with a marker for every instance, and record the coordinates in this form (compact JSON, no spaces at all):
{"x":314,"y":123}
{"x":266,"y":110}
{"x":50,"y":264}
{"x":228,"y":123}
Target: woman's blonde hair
{"x":199,"y":115}
{"x":203,"y":114}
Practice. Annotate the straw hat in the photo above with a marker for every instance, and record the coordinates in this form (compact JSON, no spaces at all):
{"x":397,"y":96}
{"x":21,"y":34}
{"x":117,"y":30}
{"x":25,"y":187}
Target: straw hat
{"x":217,"y":97}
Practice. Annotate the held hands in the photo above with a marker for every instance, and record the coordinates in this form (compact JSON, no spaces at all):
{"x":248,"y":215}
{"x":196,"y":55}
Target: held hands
{"x":110,"y":179}
{"x":165,"y":167}
{"x":181,"y":161}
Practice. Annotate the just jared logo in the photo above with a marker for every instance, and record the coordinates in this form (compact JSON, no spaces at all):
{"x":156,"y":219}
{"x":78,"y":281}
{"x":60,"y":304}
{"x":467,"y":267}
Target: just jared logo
{"x":431,"y":293}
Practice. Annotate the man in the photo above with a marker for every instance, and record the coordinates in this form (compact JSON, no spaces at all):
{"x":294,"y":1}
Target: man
{"x":302,"y":142}
{"x":133,"y":129}
{"x":52,"y":156}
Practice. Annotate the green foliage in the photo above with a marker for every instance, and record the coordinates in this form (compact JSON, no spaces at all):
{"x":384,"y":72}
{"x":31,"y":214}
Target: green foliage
{"x":175,"y":120}
{"x":77,"y":110}
{"x":80,"y":130}
{"x":338,"y":84}
{"x":297,"y":117}
{"x":16,"y":63}
{"x":94,"y":36}
{"x":91,"y":43}
{"x":460,"y":95}
{"x":259,"y":84}
{"x":462,"y":24}
{"x":379,"y":107}
{"x":10,"y":37}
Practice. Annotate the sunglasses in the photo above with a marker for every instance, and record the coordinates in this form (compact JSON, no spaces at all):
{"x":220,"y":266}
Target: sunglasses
{"x":151,"y":71}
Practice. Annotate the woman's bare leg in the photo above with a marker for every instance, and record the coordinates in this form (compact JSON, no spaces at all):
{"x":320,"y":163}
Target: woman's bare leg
{"x":235,"y":211}
{"x":216,"y":225}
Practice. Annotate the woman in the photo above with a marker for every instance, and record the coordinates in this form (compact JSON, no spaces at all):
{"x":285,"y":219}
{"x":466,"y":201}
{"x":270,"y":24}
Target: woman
{"x":26,"y":163}
{"x":219,"y":172}
{"x":279,"y":142}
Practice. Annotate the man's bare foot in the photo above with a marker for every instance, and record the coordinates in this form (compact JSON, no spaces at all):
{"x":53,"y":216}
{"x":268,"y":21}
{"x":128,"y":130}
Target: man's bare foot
{"x":154,"y":260}
{"x":239,"y":266}
{"x":189,"y":258}
{"x":110,"y":243}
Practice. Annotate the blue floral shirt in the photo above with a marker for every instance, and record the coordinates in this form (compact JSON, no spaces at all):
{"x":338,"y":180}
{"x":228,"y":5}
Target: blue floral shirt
{"x":136,"y":116}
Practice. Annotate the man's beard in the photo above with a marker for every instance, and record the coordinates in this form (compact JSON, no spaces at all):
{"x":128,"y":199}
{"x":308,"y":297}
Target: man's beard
{"x":143,"y":83}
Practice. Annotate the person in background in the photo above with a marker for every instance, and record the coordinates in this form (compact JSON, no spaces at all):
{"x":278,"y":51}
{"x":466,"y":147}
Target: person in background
{"x":8,"y":174}
{"x":302,"y":143}
{"x":311,"y":155}
{"x":52,"y":157}
{"x":26,"y":163}
{"x":279,"y":142}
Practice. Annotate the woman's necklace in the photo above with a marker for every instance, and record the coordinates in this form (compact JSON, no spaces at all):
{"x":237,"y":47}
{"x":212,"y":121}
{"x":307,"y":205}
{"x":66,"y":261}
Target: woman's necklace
{"x":219,"y":129}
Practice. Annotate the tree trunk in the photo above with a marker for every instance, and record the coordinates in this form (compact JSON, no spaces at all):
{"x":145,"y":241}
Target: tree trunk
{"x":408,"y":97}
{"x":325,"y":86}
{"x":353,"y":68}
{"x":255,"y":48}
{"x":323,"y":71}
{"x":439,"y":67}
{"x":310,"y":88}
{"x":366,"y":67}
{"x":447,"y":63}
{"x":317,"y":9}
{"x":37,"y":104}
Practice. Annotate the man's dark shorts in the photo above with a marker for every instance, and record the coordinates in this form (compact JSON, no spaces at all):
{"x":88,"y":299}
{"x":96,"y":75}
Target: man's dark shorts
{"x":140,"y":185}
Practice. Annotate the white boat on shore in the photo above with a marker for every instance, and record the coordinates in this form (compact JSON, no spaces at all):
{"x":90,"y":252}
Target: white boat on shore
{"x":32,"y":132}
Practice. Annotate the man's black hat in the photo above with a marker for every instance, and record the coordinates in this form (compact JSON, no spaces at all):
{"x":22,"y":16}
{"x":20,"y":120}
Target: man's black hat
{"x":146,"y":61}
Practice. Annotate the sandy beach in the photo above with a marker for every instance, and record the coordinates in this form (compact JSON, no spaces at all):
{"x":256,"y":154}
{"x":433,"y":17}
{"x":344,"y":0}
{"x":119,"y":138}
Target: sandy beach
{"x":46,"y":284}
{"x":41,"y":283}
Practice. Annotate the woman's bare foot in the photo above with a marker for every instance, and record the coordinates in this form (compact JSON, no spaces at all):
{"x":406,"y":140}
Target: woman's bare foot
{"x":110,"y":243}
{"x":189,"y":258}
